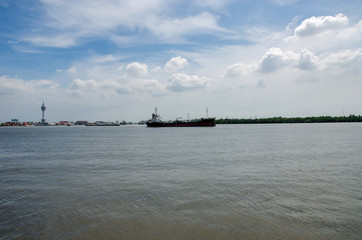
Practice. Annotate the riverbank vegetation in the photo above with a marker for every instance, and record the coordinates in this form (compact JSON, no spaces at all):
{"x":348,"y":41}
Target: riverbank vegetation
{"x":321,"y":119}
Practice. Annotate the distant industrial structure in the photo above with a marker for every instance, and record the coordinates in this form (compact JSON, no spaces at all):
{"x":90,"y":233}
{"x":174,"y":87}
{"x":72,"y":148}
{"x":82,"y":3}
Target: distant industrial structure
{"x":15,"y":122}
{"x":43,"y":108}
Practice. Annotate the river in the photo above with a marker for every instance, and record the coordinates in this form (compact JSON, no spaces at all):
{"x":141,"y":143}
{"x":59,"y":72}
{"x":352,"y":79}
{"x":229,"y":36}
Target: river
{"x":279,"y":181}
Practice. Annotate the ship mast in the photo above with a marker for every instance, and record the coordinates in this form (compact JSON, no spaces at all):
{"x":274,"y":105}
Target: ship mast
{"x":155,"y":117}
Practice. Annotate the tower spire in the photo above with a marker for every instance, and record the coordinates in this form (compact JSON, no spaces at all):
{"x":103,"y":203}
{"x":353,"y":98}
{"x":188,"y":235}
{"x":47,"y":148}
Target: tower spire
{"x":43,"y":108}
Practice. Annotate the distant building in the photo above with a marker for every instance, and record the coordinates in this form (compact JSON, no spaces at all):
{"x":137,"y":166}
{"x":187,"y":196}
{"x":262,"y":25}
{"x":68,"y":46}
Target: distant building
{"x":14,"y":122}
{"x":81,"y":123}
{"x":64,"y":123}
{"x":26,"y":124}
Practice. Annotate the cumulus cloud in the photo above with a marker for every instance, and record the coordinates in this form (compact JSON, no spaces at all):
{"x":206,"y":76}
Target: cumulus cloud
{"x":317,"y":25}
{"x":307,"y":60}
{"x":238,"y":69}
{"x":235,"y":70}
{"x":303,"y":65}
{"x":175,"y":64}
{"x":136,"y":69}
{"x":184,"y":82}
{"x":275,"y":59}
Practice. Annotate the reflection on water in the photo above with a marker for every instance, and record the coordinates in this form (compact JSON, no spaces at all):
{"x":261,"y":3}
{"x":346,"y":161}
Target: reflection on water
{"x":296,"y":181}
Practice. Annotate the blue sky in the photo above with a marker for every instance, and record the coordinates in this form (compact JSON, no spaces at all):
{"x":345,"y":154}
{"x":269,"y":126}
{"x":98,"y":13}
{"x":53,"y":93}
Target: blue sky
{"x":117,"y":60}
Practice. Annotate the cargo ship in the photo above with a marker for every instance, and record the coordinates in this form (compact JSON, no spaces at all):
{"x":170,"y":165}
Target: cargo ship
{"x":156,"y":121}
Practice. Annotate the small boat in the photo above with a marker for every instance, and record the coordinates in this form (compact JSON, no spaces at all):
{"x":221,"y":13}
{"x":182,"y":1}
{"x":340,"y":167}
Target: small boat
{"x":156,"y":121}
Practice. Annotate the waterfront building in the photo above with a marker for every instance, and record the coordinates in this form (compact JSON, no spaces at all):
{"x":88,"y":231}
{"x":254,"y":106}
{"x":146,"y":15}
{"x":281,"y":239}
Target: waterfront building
{"x":81,"y":123}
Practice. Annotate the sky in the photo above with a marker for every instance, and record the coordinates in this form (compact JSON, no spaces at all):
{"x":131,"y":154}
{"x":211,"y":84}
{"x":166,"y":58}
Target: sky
{"x":116,"y":60}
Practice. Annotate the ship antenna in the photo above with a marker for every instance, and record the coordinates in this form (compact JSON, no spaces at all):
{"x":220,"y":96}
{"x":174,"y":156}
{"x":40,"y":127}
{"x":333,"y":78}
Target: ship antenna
{"x":207,"y":113}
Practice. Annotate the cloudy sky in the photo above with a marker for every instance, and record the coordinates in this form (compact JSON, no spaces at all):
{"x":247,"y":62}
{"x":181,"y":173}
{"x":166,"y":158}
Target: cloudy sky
{"x":118,"y":60}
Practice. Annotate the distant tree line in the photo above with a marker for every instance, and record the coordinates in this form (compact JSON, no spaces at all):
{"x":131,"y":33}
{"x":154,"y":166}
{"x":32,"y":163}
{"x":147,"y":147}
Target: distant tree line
{"x":321,"y":119}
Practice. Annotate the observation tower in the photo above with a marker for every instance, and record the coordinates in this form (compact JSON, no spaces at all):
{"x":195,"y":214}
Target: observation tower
{"x":42,"y":114}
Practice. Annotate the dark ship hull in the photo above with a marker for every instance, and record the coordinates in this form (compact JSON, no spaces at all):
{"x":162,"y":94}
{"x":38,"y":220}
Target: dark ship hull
{"x":204,"y":122}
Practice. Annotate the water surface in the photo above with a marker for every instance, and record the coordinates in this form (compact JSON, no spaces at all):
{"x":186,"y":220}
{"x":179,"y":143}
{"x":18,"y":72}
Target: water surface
{"x":287,"y":181}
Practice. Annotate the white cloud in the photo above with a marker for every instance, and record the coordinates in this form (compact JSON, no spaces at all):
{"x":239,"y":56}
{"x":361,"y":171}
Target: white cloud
{"x":69,"y":23}
{"x":325,"y":68}
{"x":316,"y":25}
{"x":64,"y":40}
{"x":83,"y":84}
{"x":72,"y":69}
{"x":175,"y":64}
{"x":239,"y":69}
{"x":275,"y":59}
{"x":157,"y":69}
{"x":172,"y":30}
{"x":307,"y":60}
{"x":105,"y":58}
{"x":324,"y":34}
{"x":289,"y":29}
{"x":92,"y":88}
{"x":183,"y":82}
{"x":136,"y":69}
{"x":95,"y":17}
{"x":15,"y":86}
{"x":344,"y":61}
{"x":92,"y":84}
{"x":215,"y":4}
{"x":271,"y":61}
{"x":285,"y":2}
{"x":96,"y":88}
{"x":235,"y":70}
{"x":121,"y":39}
{"x":355,"y":32}
{"x":149,"y":86}
{"x":45,"y":84}
{"x":11,"y":85}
